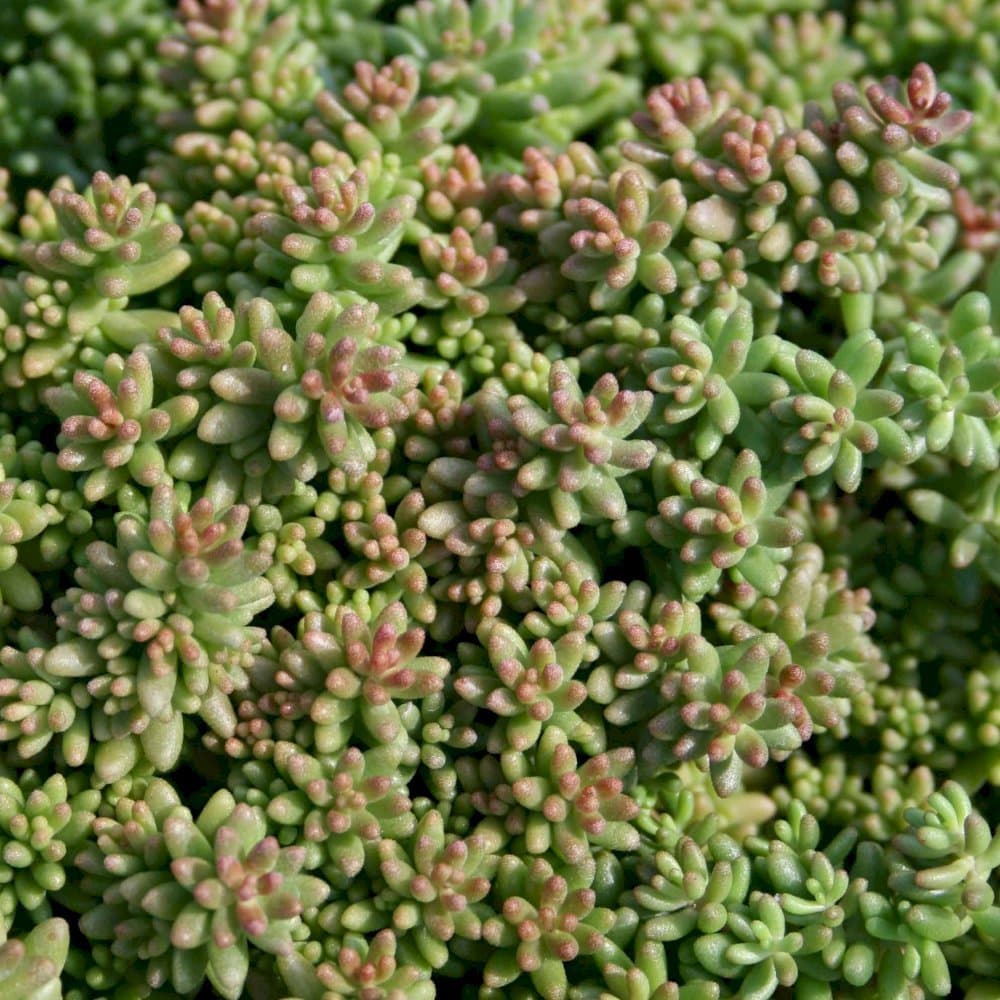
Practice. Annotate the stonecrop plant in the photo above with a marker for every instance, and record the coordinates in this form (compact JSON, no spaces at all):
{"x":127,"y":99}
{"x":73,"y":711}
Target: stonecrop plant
{"x":499,"y":499}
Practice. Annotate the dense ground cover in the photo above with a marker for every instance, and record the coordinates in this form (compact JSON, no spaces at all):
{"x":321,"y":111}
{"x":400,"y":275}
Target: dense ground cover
{"x":499,"y":499}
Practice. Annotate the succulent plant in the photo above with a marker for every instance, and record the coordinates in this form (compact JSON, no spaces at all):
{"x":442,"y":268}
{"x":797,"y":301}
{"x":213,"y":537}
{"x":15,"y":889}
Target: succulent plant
{"x":109,"y":243}
{"x":691,"y":888}
{"x":349,"y":807}
{"x":435,"y":886}
{"x":72,"y":70}
{"x":520,"y":72}
{"x":39,"y":707}
{"x":31,"y":967}
{"x":548,"y":918}
{"x":110,"y":428}
{"x":82,"y":256}
{"x":231,"y":66}
{"x":838,"y":420}
{"x":725,"y":525}
{"x":709,"y":373}
{"x":527,"y":689}
{"x":371,"y":965}
{"x":568,"y":804}
{"x":757,"y":949}
{"x":358,"y":676}
{"x":21,"y":520}
{"x":728,"y":707}
{"x":636,"y":649}
{"x":159,"y":625}
{"x":825,"y":626}
{"x":42,"y":824}
{"x":968,"y":518}
{"x":951,"y":385}
{"x":206,"y":889}
{"x":330,"y":237}
{"x":499,"y":498}
{"x":581,"y":446}
{"x":380,"y":111}
{"x":292,"y":407}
